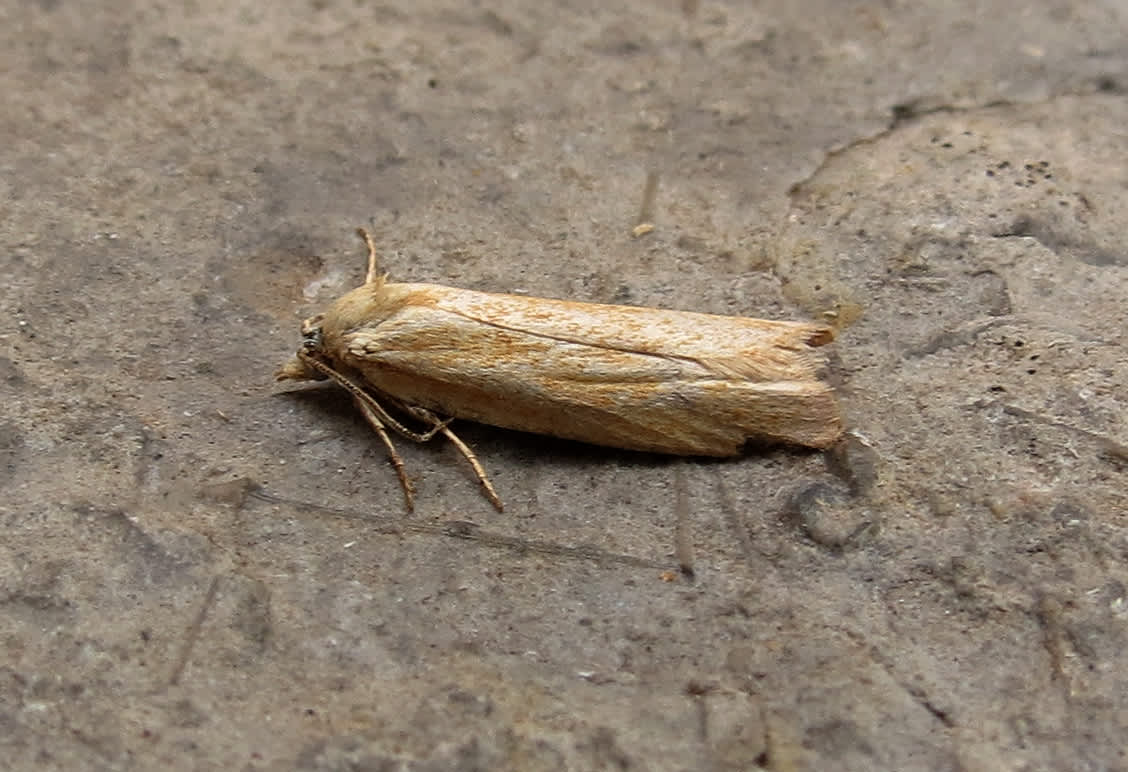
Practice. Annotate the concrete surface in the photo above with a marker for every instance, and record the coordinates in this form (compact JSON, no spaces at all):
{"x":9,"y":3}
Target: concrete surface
{"x":198,"y":572}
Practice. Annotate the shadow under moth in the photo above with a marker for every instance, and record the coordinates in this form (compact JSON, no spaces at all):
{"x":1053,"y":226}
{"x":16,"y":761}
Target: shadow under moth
{"x":414,"y":357}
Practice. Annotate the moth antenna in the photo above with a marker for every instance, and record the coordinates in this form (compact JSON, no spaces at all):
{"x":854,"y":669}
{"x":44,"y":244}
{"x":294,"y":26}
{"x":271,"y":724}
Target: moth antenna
{"x":373,"y":261}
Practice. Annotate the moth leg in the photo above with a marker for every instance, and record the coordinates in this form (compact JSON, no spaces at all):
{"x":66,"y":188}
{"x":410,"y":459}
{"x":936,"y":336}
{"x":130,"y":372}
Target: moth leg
{"x":426,"y":416}
{"x":423,"y":414}
{"x":373,"y":419}
{"x":468,"y":454}
{"x":399,"y":428}
{"x":379,"y":420}
{"x":362,"y":396}
{"x":440,"y":425}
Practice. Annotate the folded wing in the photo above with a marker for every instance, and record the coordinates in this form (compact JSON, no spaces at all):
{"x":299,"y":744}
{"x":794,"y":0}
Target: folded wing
{"x":622,"y":376}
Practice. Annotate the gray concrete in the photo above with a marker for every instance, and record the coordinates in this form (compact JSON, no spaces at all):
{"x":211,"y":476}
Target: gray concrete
{"x":199,"y":572}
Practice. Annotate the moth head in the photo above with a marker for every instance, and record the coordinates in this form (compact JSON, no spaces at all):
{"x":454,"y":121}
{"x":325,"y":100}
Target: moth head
{"x":298,"y":367}
{"x":314,"y":360}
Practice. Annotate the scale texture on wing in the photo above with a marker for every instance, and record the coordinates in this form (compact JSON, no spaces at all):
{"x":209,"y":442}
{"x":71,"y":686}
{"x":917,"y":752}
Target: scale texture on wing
{"x":728,"y":345}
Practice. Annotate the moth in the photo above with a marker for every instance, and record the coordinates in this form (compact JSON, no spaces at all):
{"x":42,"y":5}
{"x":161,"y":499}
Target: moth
{"x":414,"y":357}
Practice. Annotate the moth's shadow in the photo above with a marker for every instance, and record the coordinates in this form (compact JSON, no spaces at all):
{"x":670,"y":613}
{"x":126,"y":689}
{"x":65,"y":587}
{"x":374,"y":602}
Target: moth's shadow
{"x":496,"y":445}
{"x":523,"y":448}
{"x":325,"y":398}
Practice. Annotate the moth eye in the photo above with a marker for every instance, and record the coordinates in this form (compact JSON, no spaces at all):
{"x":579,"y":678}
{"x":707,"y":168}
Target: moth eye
{"x":311,"y":339}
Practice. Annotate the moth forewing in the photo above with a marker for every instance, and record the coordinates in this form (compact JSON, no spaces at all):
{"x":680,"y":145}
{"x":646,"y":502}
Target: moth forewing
{"x":674,"y":382}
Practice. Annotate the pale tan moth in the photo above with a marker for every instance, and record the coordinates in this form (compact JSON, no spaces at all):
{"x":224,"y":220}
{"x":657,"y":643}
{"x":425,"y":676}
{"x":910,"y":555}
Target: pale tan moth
{"x":628,"y":377}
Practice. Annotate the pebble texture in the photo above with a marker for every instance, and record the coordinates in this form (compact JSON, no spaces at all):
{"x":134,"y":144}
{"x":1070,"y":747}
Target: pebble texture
{"x":198,"y":572}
